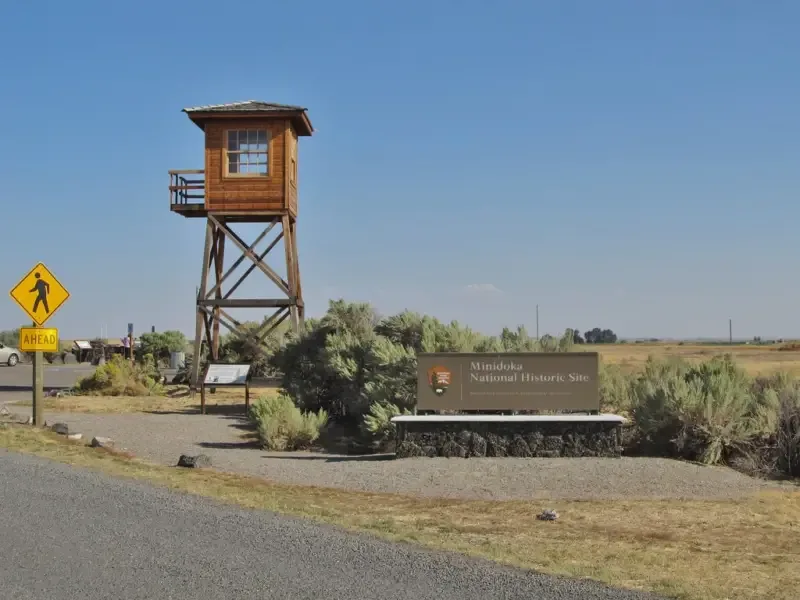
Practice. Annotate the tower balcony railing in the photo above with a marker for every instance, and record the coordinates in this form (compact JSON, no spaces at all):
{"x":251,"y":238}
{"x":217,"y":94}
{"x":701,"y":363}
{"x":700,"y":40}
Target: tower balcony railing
{"x":187,"y":189}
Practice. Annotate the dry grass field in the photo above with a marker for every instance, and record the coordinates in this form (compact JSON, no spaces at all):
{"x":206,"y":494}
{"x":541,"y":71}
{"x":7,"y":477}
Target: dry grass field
{"x":632,"y":356}
{"x":754,"y":359}
{"x":179,"y":399}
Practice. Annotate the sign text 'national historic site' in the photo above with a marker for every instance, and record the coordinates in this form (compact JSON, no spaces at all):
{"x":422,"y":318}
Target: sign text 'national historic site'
{"x":519,"y":381}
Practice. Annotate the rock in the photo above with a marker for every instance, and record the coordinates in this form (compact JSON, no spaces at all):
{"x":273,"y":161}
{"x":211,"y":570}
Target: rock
{"x":519,"y":448}
{"x":553,"y":444}
{"x":545,"y":440}
{"x":547,"y":515}
{"x":453,"y":450}
{"x":74,"y":436}
{"x":194,"y":462}
{"x":429,"y":451}
{"x":495,"y":445}
{"x":535,"y":441}
{"x":478,"y":446}
{"x":409,"y":450}
{"x":464,"y":438}
{"x":101,"y":442}
{"x":60,"y":428}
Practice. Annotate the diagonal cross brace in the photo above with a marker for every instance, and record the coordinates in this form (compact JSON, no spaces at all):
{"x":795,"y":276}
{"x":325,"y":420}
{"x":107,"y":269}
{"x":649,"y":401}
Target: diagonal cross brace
{"x":246,"y":251}
{"x":239,"y":260}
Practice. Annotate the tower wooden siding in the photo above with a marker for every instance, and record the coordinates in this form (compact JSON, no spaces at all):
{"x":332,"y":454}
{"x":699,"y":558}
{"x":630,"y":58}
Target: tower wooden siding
{"x":249,"y":193}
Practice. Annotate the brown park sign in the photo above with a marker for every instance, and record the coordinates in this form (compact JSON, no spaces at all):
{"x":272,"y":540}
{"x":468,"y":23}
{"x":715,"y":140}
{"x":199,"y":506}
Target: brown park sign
{"x":514,"y":381}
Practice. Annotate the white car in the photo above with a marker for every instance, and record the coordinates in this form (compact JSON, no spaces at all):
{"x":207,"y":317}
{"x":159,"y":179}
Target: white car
{"x":9,"y":356}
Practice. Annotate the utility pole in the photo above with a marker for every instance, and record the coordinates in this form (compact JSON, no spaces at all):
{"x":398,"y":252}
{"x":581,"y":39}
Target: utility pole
{"x":537,"y":321}
{"x":730,"y":331}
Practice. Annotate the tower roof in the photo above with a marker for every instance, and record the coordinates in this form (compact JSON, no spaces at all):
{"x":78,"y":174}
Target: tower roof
{"x":251,"y":108}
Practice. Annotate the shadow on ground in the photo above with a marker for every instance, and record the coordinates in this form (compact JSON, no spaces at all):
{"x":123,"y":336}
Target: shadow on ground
{"x":243,"y":445}
{"x":224,"y":410}
{"x":29,"y":388}
{"x":332,"y":459}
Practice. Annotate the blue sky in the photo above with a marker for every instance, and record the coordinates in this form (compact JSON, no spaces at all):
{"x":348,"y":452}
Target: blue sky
{"x":631,"y":164}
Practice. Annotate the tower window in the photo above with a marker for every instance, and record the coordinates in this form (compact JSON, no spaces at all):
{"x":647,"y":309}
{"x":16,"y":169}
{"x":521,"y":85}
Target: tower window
{"x":247,"y":152}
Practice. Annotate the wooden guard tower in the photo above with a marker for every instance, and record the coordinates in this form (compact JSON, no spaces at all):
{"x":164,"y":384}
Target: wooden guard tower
{"x":250,"y":176}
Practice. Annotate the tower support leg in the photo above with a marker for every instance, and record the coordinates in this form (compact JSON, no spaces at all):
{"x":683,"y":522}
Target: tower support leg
{"x":211,"y":303}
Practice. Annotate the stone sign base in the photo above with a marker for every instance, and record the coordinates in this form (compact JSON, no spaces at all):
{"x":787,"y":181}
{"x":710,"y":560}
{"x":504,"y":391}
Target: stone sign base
{"x":524,"y":436}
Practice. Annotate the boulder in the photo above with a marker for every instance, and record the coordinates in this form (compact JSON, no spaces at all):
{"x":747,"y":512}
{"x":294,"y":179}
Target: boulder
{"x":194,"y":462}
{"x":60,"y":428}
{"x":547,"y":515}
{"x":74,"y":436}
{"x":101,"y":442}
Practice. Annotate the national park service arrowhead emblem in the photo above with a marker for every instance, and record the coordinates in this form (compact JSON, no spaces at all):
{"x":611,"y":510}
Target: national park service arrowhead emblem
{"x":439,"y":378}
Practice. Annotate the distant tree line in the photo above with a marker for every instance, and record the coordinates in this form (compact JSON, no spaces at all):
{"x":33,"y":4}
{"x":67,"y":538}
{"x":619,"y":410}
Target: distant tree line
{"x":594,"y":336}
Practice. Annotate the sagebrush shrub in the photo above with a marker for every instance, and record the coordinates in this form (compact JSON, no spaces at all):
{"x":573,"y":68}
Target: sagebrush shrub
{"x":283,"y":426}
{"x":700,"y":412}
{"x":360,"y":369}
{"x":378,"y":422}
{"x":351,"y":359}
{"x":120,"y":377}
{"x":615,"y":390}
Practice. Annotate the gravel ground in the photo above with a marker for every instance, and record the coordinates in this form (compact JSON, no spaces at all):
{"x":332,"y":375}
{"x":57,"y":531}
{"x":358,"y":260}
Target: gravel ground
{"x":74,"y":534}
{"x":163,"y":437}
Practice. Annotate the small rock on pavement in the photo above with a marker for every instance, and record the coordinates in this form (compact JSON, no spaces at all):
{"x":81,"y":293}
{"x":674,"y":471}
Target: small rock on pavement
{"x":74,"y":436}
{"x":101,"y":442}
{"x":547,"y":515}
{"x":60,"y":428}
{"x":194,"y":462}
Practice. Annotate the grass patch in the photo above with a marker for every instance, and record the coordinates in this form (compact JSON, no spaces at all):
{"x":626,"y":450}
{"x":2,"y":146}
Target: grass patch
{"x":700,"y":550}
{"x":178,"y":400}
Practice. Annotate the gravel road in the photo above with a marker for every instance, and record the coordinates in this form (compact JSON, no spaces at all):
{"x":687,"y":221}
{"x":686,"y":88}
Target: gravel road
{"x":163,"y":437}
{"x":73,"y":534}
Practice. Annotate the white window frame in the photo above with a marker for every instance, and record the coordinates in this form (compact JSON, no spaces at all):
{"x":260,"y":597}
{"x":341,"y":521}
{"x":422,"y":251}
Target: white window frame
{"x":254,"y":151}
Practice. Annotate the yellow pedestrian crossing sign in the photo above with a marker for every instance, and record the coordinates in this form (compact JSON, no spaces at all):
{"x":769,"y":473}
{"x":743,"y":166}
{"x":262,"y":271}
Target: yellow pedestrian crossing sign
{"x":40,"y":294}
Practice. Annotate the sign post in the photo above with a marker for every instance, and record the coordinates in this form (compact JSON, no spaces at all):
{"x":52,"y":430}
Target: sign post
{"x":38,"y":388}
{"x":39,"y":294}
{"x":130,"y":341}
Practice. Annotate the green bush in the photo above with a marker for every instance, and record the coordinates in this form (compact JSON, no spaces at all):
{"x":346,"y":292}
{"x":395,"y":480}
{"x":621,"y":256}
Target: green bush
{"x":283,"y":426}
{"x":10,"y":337}
{"x":352,"y":359}
{"x":712,"y":412}
{"x":615,"y":390}
{"x":378,"y":425}
{"x":159,"y":345}
{"x":360,"y":368}
{"x":120,"y":377}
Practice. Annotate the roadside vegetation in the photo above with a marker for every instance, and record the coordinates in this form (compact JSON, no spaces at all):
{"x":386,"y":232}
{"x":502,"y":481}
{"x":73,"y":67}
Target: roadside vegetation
{"x":360,"y":369}
{"x":348,"y":373}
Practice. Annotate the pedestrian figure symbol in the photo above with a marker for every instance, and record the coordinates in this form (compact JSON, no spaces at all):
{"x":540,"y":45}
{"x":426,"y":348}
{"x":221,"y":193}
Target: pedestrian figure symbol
{"x":42,"y":288}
